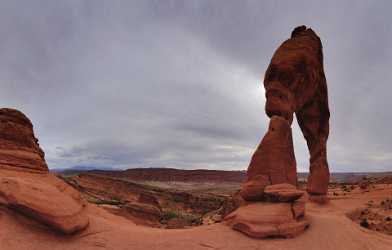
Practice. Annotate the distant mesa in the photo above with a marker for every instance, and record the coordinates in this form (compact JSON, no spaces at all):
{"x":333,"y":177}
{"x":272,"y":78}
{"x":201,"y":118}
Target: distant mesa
{"x":26,"y":186}
{"x":173,"y":175}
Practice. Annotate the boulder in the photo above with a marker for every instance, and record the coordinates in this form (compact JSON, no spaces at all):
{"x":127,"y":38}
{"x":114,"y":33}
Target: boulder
{"x":265,"y":220}
{"x":44,"y":198}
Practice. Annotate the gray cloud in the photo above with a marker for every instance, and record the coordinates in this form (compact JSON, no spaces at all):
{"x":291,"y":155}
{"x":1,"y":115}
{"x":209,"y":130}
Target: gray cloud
{"x":146,"y":83}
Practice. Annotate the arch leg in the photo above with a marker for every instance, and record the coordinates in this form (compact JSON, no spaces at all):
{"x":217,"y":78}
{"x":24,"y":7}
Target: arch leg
{"x":313,"y":120}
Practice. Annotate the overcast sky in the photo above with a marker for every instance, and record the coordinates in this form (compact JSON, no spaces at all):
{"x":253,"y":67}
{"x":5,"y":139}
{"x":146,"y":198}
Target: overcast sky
{"x":179,"y":83}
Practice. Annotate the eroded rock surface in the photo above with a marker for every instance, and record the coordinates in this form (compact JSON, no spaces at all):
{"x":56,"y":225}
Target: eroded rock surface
{"x":26,"y":186}
{"x":18,"y":146}
{"x":273,"y":162}
{"x":263,"y":220}
{"x":274,"y":156}
{"x":45,"y":198}
{"x":283,"y":192}
{"x":253,"y":189}
{"x":294,"y":83}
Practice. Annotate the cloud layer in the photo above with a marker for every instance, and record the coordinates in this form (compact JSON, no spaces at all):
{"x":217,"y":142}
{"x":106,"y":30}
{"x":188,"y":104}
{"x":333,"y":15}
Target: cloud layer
{"x":178,"y":84}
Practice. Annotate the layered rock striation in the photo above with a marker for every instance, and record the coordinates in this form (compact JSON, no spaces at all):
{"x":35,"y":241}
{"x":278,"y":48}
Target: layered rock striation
{"x":18,"y":146}
{"x":280,"y":215}
{"x":279,"y":211}
{"x":27,"y":187}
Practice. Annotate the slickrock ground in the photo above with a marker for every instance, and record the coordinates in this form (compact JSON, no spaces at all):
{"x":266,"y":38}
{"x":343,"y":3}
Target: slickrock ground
{"x":45,"y":198}
{"x":330,"y":229}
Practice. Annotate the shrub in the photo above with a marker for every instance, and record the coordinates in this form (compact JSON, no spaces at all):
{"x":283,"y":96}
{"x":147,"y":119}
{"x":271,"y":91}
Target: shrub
{"x":167,"y":215}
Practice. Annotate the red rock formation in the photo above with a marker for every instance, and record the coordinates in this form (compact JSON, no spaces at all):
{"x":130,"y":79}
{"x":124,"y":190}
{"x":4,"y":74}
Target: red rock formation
{"x":26,"y":186}
{"x":263,"y":220}
{"x":295,"y":83}
{"x":253,"y":189}
{"x":18,"y":146}
{"x":274,"y":158}
{"x":280,"y":213}
{"x":44,"y":198}
{"x":298,"y":208}
{"x":282,"y":192}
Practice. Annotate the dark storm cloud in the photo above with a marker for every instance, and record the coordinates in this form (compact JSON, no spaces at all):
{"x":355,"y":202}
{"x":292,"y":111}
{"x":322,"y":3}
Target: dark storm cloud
{"x":178,"y":83}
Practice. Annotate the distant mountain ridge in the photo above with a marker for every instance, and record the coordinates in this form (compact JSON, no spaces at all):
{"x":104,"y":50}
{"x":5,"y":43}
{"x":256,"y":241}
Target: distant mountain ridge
{"x":80,"y":169}
{"x":198,"y":175}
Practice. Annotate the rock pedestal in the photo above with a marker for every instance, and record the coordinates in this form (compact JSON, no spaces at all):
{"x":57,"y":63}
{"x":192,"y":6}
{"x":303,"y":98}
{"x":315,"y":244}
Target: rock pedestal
{"x":280,"y":213}
{"x":27,"y":187}
{"x":267,"y":219}
{"x":275,"y":207}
